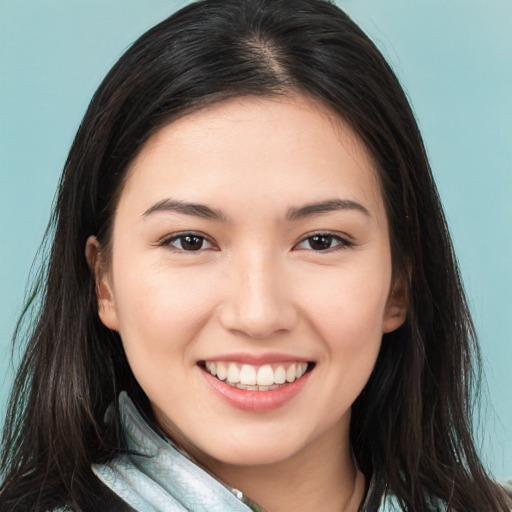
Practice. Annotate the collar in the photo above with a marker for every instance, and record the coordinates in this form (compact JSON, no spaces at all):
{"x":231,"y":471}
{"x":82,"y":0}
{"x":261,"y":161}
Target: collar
{"x":154,"y":476}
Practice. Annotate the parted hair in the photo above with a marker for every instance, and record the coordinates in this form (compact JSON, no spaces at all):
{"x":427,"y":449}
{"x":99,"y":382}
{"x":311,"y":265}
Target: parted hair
{"x":411,"y":425}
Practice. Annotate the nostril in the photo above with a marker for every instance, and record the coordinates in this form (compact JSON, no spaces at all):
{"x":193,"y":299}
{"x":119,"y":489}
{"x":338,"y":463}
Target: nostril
{"x":257,"y":324}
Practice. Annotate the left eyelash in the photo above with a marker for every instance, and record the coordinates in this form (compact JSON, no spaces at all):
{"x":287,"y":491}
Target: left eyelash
{"x":168,"y":241}
{"x":342,"y":242}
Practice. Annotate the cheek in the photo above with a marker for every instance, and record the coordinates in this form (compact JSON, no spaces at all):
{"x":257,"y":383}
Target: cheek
{"x":161,"y":311}
{"x":160,"y":314}
{"x":347,"y":314}
{"x":349,"y":305}
{"x":346,"y":311}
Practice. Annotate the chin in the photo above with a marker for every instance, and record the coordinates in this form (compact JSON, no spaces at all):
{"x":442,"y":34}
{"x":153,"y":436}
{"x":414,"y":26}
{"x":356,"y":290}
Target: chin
{"x":264,"y":447}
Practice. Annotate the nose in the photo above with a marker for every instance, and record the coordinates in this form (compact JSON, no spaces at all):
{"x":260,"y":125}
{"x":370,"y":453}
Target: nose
{"x":257,"y":303}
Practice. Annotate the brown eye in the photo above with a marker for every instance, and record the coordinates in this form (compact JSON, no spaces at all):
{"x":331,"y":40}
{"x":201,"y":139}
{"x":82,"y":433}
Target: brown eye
{"x":189,"y":242}
{"x":323,"y":242}
{"x":320,"y":242}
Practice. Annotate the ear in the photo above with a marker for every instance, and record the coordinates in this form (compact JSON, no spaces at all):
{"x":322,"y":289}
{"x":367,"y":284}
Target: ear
{"x":104,"y":295}
{"x":396,"y":309}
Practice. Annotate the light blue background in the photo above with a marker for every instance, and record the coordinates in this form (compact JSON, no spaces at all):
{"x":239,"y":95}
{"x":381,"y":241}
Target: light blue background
{"x":454,"y":59}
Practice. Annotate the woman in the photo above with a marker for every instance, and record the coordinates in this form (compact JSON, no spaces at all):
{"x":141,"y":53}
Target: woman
{"x":252,"y":296}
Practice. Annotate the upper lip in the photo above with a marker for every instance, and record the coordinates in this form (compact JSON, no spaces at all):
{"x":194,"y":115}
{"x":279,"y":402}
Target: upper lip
{"x":258,"y":359}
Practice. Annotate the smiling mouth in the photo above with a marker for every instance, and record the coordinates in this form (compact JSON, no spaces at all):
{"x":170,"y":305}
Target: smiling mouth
{"x":264,"y":377}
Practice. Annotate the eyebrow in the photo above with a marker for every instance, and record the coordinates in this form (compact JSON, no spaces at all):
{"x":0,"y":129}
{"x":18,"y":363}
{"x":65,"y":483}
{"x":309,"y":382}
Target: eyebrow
{"x":293,"y":214}
{"x":331,"y":205}
{"x":196,"y":210}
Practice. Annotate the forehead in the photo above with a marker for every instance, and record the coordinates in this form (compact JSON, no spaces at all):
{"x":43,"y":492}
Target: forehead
{"x":281,"y":149}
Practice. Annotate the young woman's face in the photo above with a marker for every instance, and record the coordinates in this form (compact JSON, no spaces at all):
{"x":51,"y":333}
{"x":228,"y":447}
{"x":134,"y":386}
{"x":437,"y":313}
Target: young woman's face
{"x":251,"y":242}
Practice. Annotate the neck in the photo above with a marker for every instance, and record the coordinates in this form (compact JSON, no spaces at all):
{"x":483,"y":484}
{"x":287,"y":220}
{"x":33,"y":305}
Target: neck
{"x":322,"y":476}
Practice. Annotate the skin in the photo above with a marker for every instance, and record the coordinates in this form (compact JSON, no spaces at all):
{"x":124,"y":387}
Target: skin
{"x":255,"y":286}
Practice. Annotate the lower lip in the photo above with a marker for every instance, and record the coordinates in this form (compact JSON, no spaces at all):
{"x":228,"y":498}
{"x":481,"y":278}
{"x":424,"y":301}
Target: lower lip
{"x":256,"y":401}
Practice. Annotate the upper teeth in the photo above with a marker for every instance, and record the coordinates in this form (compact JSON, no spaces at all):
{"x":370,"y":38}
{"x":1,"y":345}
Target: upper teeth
{"x":249,"y":375}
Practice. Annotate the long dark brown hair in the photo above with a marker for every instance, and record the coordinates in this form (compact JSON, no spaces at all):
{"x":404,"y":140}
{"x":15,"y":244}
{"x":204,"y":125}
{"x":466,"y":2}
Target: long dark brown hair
{"x":411,"y":425}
